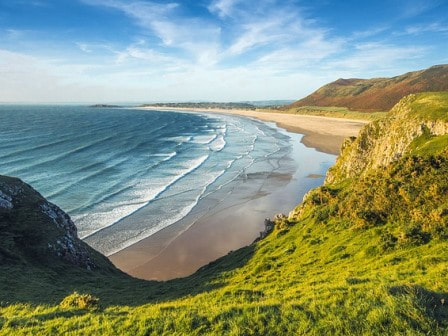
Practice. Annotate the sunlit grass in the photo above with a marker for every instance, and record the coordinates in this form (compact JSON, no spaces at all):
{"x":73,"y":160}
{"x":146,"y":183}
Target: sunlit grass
{"x":337,"y":112}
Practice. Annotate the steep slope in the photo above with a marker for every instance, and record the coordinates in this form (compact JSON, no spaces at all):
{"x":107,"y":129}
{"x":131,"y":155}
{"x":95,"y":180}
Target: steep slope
{"x":366,"y":253}
{"x":377,"y":94}
{"x":416,"y":118}
{"x":33,"y":230}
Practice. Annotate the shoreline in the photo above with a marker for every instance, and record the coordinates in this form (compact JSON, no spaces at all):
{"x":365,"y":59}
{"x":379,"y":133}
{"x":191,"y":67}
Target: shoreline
{"x":325,"y":134}
{"x":182,"y":248}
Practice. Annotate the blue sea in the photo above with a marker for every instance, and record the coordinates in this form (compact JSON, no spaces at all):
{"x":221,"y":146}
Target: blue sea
{"x":105,"y":165}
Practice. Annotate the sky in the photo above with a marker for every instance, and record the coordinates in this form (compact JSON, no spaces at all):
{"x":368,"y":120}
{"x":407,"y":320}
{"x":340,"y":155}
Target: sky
{"x":209,"y":50}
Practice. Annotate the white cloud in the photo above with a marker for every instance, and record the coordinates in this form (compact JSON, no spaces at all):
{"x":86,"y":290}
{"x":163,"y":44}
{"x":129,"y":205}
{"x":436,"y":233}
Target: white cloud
{"x":255,"y":34}
{"x":369,"y":32}
{"x":434,"y":27}
{"x":222,"y":7}
{"x":197,"y":37}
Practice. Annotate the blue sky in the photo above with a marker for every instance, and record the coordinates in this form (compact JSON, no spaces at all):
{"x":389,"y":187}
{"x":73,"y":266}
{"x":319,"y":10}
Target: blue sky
{"x":221,"y":50}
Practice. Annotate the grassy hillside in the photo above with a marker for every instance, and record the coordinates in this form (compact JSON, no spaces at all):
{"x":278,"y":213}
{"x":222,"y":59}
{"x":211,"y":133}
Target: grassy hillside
{"x":364,"y":254}
{"x":377,"y":94}
{"x":333,"y":112}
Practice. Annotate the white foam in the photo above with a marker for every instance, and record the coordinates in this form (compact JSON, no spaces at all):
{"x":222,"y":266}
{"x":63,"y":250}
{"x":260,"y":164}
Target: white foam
{"x":204,"y":139}
{"x":167,"y":155}
{"x":218,"y":144}
{"x":161,"y":225}
{"x":108,"y":214}
{"x":169,"y":221}
{"x":180,"y":139}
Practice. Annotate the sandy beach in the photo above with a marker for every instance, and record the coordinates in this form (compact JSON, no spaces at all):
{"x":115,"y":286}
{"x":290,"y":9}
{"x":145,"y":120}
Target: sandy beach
{"x":323,"y":133}
{"x":180,"y":249}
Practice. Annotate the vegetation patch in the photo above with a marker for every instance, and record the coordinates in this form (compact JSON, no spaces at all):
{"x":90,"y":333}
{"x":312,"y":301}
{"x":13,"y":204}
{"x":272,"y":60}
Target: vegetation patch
{"x":80,"y":301}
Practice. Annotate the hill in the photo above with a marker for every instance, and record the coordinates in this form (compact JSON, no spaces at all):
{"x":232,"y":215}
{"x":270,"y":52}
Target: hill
{"x":366,"y":253}
{"x":377,"y":94}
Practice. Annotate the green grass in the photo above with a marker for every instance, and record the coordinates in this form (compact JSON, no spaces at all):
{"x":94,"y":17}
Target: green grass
{"x":363,"y":256}
{"x":336,"y":112}
{"x":315,"y":288}
{"x":431,"y":106}
{"x":327,"y":271}
{"x":429,"y":145}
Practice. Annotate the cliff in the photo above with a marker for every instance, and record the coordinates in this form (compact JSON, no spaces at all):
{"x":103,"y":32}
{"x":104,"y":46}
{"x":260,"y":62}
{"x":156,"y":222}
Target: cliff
{"x":33,"y":230}
{"x":376,"y":94}
{"x":416,"y":119}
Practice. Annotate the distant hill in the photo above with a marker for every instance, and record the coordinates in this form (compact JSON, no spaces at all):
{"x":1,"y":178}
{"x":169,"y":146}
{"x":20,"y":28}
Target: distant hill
{"x":376,"y":94}
{"x":244,"y":105}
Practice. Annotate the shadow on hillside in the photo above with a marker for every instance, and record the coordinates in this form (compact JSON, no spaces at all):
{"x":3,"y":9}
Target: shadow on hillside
{"x":433,"y":304}
{"x":26,"y":284}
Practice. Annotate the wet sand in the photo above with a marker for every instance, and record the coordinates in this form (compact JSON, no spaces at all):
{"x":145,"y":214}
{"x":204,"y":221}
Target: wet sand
{"x":182,"y":248}
{"x":174,"y":252}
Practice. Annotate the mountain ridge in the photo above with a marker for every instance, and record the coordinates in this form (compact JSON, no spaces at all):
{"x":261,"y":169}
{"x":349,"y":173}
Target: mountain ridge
{"x":376,"y":94}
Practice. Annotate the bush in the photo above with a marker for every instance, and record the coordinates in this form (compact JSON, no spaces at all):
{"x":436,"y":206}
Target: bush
{"x":282,"y":222}
{"x":321,"y":214}
{"x":80,"y":301}
{"x":372,"y":217}
{"x":387,"y":241}
{"x":414,"y":235}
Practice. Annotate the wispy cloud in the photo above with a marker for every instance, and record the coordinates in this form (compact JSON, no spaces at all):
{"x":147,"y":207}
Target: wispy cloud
{"x":194,"y":35}
{"x":433,"y":27}
{"x":373,"y":31}
{"x":412,"y":8}
{"x":223,"y":7}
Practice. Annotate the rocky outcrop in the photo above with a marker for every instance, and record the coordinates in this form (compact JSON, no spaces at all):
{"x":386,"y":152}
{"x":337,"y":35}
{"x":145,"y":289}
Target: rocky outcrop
{"x":31,"y":228}
{"x":384,"y":141}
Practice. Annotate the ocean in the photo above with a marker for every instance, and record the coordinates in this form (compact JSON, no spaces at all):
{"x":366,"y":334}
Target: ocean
{"x":104,"y":166}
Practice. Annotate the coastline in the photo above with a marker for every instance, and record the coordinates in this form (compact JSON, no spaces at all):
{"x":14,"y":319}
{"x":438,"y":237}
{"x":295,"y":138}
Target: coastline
{"x":325,"y":134}
{"x":180,"y":249}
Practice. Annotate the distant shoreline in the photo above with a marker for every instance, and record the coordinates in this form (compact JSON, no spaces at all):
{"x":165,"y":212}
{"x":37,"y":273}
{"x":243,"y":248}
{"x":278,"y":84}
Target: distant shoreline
{"x":326,"y":134}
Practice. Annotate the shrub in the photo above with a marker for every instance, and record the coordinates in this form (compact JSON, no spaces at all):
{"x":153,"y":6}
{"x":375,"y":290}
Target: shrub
{"x":372,"y":217}
{"x":414,"y":235}
{"x":387,"y":241}
{"x":80,"y":301}
{"x":321,"y":214}
{"x":282,"y":222}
